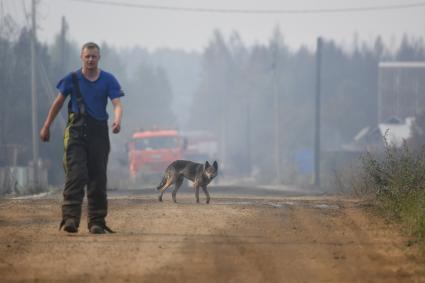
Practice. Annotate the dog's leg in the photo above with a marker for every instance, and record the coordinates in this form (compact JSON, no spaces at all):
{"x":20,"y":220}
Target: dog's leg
{"x":204,"y":188}
{"x":197,"y":193}
{"x":177,"y":185}
{"x":166,"y":186}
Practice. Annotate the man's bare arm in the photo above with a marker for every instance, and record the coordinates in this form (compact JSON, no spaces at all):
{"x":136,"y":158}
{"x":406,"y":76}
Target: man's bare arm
{"x":116,"y":126}
{"x":53,"y":112}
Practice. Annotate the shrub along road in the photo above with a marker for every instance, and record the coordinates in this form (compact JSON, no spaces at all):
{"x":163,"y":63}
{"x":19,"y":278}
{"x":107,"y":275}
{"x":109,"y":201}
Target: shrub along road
{"x":249,"y":237}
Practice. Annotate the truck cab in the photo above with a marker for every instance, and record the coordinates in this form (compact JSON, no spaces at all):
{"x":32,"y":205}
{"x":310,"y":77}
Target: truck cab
{"x":150,"y":152}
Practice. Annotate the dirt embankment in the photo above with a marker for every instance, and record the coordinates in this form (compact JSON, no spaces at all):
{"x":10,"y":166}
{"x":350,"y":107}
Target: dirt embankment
{"x":234,"y":239}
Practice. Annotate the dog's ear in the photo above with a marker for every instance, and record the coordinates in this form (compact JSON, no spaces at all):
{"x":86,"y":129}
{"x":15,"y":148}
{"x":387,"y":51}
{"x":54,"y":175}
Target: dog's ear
{"x":207,"y":164}
{"x":215,"y":165}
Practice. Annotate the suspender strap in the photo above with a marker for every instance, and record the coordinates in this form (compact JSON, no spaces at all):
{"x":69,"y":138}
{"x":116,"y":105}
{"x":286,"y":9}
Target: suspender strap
{"x":80,"y":100}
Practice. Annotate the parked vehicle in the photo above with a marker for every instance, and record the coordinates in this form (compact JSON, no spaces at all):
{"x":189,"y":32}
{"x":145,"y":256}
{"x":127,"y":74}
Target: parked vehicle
{"x":150,"y":152}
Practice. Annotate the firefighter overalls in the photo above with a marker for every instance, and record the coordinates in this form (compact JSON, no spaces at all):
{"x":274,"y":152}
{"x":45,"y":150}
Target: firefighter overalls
{"x":86,"y":150}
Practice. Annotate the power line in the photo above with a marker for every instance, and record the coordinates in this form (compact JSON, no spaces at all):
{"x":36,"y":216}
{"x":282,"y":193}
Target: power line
{"x":258,"y":11}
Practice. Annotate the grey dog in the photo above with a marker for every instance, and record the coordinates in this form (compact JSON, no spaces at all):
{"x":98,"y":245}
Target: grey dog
{"x":200,"y":174}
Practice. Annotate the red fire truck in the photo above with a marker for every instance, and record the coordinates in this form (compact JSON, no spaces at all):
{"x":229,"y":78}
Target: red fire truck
{"x":150,"y":152}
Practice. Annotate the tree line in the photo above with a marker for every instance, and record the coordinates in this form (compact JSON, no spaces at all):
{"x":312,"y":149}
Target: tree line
{"x":244,"y":88}
{"x":249,"y":97}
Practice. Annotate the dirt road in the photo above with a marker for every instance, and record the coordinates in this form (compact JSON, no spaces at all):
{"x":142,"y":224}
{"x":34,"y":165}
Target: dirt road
{"x":236,"y":238}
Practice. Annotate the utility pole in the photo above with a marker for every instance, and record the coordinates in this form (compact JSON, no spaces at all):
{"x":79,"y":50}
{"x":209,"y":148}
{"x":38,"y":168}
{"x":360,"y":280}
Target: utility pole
{"x":276,"y":113}
{"x":317,"y":112}
{"x":34,"y":102}
{"x":223,"y":128}
{"x":223,"y":136}
{"x":248,"y":137}
{"x":63,"y":51}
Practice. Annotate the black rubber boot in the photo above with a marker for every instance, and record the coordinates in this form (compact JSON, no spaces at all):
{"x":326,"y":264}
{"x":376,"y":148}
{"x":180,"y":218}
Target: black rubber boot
{"x":69,"y":225}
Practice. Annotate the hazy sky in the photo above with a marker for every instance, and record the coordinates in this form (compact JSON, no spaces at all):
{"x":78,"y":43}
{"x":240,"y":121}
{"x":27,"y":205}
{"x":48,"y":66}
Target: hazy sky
{"x":127,"y":26}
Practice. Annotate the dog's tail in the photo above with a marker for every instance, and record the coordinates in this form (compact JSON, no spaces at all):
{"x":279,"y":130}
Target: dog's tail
{"x":163,"y":181}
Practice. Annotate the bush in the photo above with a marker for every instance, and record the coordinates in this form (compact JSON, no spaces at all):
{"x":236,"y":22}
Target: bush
{"x":397,"y":180}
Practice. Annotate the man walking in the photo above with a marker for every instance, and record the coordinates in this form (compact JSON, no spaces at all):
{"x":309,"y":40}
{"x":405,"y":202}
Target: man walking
{"x":86,"y":139}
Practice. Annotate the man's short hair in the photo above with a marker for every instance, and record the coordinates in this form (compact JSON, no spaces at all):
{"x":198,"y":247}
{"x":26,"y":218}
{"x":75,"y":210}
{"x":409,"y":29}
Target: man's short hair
{"x":90,"y":45}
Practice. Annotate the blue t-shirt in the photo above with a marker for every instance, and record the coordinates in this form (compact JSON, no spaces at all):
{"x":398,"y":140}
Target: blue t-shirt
{"x":95,"y":94}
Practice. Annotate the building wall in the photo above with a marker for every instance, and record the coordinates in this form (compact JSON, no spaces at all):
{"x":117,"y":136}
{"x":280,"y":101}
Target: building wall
{"x":401,"y":89}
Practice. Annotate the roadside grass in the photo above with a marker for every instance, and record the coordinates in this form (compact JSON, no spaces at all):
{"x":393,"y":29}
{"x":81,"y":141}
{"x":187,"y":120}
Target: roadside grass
{"x":396,"y":181}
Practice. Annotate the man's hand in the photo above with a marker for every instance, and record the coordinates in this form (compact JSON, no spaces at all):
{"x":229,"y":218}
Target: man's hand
{"x":45,"y":134}
{"x":116,"y":127}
